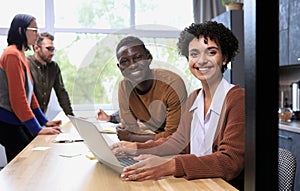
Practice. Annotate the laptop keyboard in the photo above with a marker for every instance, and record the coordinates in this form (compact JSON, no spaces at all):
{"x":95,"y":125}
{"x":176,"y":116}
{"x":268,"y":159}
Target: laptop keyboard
{"x":126,"y":161}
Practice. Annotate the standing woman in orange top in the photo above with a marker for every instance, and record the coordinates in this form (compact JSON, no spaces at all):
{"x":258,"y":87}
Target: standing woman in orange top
{"x":21,"y":118}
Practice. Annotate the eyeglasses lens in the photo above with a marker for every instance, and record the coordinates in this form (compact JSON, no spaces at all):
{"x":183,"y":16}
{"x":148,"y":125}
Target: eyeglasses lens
{"x":51,"y":49}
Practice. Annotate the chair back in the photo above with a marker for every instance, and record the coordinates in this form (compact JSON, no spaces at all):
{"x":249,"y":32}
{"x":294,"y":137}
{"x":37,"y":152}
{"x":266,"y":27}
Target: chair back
{"x":287,"y":164}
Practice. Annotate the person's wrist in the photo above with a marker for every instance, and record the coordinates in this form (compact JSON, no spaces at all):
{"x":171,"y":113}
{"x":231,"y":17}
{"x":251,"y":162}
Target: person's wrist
{"x":133,"y":148}
{"x":111,"y":118}
{"x":131,"y":137}
{"x":172,"y":166}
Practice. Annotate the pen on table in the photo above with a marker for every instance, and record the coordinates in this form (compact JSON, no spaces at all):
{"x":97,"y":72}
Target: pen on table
{"x":58,"y":129}
{"x":67,"y":141}
{"x":107,"y":132}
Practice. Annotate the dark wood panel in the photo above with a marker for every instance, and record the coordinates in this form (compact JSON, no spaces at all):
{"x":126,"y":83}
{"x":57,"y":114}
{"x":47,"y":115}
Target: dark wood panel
{"x":234,"y":20}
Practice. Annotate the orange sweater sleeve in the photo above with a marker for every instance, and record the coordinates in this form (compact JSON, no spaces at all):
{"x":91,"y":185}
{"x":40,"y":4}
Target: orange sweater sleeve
{"x":15,"y":71}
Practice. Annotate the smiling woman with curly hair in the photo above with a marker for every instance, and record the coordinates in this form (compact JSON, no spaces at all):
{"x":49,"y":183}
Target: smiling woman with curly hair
{"x":209,"y":141}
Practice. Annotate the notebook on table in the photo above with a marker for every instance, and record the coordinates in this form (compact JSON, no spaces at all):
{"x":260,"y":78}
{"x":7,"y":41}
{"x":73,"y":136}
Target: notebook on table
{"x":98,"y":146}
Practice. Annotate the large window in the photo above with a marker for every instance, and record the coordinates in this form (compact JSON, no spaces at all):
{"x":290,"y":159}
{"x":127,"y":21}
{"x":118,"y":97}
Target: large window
{"x":9,"y":9}
{"x":87,"y":32}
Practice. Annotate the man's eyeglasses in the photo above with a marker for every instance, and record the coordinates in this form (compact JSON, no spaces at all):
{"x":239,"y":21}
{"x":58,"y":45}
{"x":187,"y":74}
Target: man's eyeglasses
{"x":124,"y":63}
{"x":36,"y":30}
{"x":49,"y":48}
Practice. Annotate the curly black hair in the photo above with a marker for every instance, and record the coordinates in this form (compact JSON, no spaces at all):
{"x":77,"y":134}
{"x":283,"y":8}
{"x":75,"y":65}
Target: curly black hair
{"x":217,"y":32}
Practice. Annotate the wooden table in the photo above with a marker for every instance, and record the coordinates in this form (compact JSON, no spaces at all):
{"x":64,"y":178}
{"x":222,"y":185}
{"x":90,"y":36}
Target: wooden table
{"x":44,"y":165}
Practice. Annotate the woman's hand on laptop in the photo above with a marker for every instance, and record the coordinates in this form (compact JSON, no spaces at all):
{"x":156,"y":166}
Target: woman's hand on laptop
{"x":149,"y":167}
{"x":124,"y":148}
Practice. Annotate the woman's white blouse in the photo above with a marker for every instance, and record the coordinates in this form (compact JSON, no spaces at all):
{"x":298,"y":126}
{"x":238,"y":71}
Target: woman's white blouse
{"x":203,"y":129}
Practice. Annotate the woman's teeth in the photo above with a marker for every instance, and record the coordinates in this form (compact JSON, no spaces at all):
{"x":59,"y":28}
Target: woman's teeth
{"x":202,"y":69}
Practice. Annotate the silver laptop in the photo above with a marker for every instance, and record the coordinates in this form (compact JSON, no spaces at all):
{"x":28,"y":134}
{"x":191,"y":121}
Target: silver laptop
{"x":98,"y":146}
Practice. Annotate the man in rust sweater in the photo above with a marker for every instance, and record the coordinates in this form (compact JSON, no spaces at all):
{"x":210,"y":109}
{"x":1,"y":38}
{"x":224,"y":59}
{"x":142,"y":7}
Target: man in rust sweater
{"x":150,"y":100}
